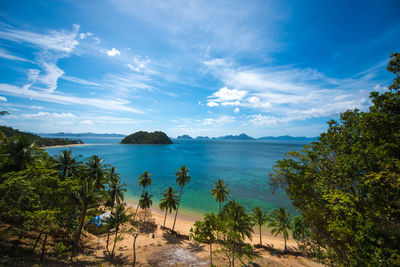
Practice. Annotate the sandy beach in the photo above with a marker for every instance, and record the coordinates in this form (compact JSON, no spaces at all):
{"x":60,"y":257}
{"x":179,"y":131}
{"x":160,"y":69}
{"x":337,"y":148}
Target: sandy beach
{"x":71,"y":145}
{"x":164,"y":249}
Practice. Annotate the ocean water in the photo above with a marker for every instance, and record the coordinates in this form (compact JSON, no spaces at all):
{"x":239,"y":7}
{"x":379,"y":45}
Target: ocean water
{"x":244,"y":165}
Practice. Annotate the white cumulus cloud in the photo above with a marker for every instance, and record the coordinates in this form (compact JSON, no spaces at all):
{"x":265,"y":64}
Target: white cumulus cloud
{"x":2,"y":98}
{"x":113,"y":52}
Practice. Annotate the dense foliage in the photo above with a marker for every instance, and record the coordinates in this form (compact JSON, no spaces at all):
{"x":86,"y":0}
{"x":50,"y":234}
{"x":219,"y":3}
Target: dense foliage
{"x":142,"y":137}
{"x":39,"y":141}
{"x":347,"y":184}
{"x":50,"y":196}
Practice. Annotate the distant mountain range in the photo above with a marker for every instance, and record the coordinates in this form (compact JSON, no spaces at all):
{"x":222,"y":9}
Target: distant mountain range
{"x":62,"y":134}
{"x":246,"y":137}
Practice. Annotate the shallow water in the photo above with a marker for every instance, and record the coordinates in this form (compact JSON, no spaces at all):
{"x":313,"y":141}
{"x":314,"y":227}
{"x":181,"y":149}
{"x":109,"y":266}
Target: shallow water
{"x":244,"y":165}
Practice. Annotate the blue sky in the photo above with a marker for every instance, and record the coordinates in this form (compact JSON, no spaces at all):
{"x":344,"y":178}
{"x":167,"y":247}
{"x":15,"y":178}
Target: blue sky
{"x":192,"y":67}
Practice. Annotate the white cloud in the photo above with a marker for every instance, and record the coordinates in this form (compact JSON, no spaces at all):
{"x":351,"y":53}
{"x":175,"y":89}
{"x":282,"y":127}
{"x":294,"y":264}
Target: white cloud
{"x":7,"y":55}
{"x":78,"y":80}
{"x":50,"y":79}
{"x":262,"y":120}
{"x":103,"y":104}
{"x":290,"y":93}
{"x":2,"y":98}
{"x":48,"y":114}
{"x":224,"y":94}
{"x":256,"y":103}
{"x":62,"y":41}
{"x":218,"y":121}
{"x":236,"y":110}
{"x":212,"y":104}
{"x":86,"y":122}
{"x":113,"y":52}
{"x":36,"y":107}
{"x":85,"y":35}
{"x":138,"y":64}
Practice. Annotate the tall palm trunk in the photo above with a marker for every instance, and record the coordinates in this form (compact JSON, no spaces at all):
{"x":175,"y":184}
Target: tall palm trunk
{"x":260,"y":235}
{"x":165,"y":217}
{"x":36,"y":242}
{"x":177,"y":208}
{"x":115,"y":240}
{"x":43,"y":247}
{"x":78,"y":235}
{"x":284,"y":237}
{"x":233,"y":256}
{"x":108,"y":231}
{"x":219,"y":206}
{"x":134,"y":250}
{"x":137,"y":207}
{"x":211,"y":254}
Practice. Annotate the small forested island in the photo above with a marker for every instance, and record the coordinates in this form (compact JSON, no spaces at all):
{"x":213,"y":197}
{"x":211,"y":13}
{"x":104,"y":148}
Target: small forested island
{"x":142,"y":137}
{"x":39,"y":141}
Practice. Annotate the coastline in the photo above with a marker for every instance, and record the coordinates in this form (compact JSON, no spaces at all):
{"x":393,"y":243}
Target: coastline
{"x":185,"y":221}
{"x":44,"y":147}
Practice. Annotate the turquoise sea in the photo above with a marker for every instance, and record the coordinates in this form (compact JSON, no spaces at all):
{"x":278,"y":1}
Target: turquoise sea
{"x":244,"y":165}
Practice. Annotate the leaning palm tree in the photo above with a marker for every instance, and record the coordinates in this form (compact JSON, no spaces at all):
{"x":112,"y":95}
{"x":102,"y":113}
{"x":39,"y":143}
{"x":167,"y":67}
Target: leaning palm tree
{"x":220,"y":192}
{"x":116,"y":194}
{"x":168,"y":202}
{"x":259,"y":217}
{"x":182,"y":179}
{"x":116,"y":219}
{"x":144,"y":181}
{"x":280,"y":223}
{"x":66,"y":164}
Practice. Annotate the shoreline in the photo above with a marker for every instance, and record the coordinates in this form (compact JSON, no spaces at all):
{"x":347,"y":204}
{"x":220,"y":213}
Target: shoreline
{"x":45,"y":147}
{"x":185,"y":221}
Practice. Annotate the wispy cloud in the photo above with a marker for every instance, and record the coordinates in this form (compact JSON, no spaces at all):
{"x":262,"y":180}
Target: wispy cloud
{"x":79,"y":80}
{"x":287,"y":93}
{"x":62,"y":41}
{"x":5,"y":54}
{"x":103,"y":104}
{"x":46,"y":115}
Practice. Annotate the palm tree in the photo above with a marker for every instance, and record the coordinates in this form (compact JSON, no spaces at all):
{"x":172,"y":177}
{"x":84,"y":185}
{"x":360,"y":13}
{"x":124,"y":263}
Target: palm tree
{"x":220,"y":192}
{"x":238,"y":225}
{"x":115,"y":220}
{"x":168,"y":202}
{"x":66,"y":164}
{"x":115,"y":193}
{"x":145,"y":201}
{"x":182,"y":179}
{"x":259,"y":217}
{"x":237,"y":219}
{"x":85,"y":195}
{"x":21,"y":152}
{"x":96,"y":171}
{"x":280,"y":223}
{"x":144,"y":181}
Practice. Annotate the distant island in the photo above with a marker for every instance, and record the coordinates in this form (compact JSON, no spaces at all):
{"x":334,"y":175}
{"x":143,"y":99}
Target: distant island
{"x":185,"y":137}
{"x":244,"y":136}
{"x":288,"y":137}
{"x":142,"y":137}
{"x":62,"y":134}
{"x":39,"y":141}
{"x":202,"y":138}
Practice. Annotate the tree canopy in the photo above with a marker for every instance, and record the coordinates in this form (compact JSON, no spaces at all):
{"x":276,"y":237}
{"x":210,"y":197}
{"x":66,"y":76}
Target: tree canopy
{"x":347,"y":184}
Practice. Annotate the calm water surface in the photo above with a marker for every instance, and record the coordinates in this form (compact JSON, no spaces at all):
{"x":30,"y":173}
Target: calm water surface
{"x":244,"y":165}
